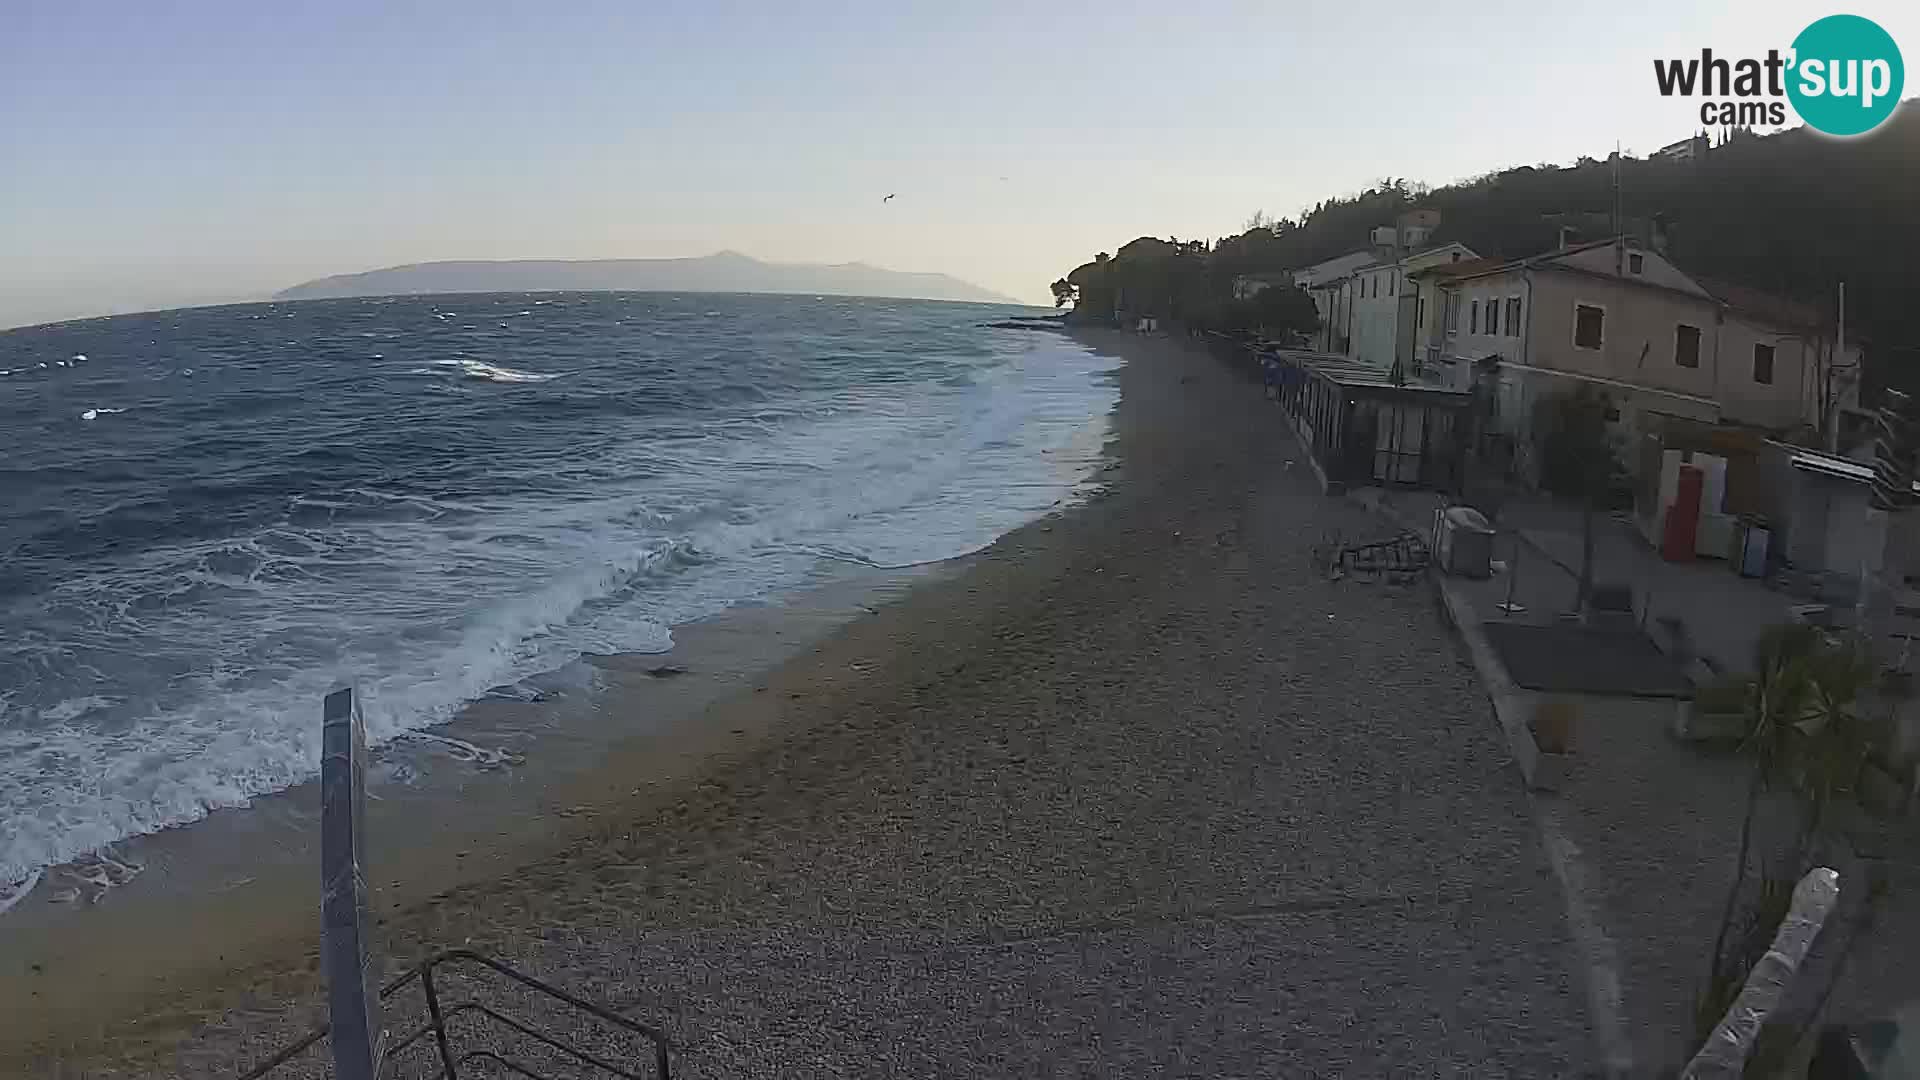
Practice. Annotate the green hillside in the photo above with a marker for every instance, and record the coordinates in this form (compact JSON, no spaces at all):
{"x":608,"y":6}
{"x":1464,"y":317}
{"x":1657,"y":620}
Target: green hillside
{"x":1793,"y":213}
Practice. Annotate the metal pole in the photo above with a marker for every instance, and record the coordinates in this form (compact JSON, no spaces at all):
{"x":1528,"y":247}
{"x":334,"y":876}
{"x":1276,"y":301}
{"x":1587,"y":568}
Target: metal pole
{"x":1832,"y":418}
{"x":1508,"y":608}
{"x":439,"y":1024}
{"x":353,"y":999}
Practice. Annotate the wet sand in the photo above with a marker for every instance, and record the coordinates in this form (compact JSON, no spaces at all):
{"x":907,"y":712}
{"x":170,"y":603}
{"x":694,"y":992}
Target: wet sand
{"x":242,"y":885}
{"x":1135,"y":789}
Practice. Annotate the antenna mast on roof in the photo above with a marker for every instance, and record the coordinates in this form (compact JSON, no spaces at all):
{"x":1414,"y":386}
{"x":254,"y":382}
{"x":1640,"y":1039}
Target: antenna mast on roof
{"x":1619,"y":237}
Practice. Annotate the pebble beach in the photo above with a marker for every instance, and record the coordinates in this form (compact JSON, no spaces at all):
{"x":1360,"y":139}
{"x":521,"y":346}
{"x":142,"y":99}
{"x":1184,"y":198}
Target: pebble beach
{"x":1136,"y":790}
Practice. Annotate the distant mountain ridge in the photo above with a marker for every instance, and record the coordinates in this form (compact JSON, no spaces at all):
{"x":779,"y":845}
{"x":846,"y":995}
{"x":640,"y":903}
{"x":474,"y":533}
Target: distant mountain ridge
{"x":727,"y":271}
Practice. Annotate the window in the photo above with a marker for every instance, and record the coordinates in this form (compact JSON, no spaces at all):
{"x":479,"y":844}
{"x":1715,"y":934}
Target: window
{"x":1493,"y":316}
{"x":1453,"y":312}
{"x":1636,"y":263}
{"x":1473,"y":318}
{"x":1589,"y":326}
{"x":1763,"y":364}
{"x":1420,"y":312}
{"x":1686,"y":345}
{"x":1513,"y":316}
{"x":1390,"y":278}
{"x":1456,"y":257}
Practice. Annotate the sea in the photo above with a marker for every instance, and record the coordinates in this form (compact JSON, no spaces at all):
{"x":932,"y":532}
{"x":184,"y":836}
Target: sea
{"x":209,"y":518}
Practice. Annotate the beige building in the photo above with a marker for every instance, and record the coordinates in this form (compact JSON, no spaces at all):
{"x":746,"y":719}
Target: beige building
{"x":1625,"y":320}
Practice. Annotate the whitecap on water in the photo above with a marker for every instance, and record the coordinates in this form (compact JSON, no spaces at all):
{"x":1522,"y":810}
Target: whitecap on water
{"x":475,"y":369}
{"x":74,"y":708}
{"x":95,"y":414}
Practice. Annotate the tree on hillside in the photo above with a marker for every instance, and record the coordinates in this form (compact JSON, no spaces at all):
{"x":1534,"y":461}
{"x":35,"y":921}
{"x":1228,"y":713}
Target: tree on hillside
{"x":1791,"y":213}
{"x":1276,"y":312}
{"x":1063,"y":292}
{"x":1577,"y":460}
{"x":1093,"y":288}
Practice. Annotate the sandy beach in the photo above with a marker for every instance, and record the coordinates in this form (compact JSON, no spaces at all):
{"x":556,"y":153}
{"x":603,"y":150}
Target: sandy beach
{"x":1133,"y":791}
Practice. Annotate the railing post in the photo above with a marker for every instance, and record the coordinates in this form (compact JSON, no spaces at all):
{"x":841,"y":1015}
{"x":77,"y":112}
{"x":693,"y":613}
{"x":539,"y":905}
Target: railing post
{"x":353,"y":999}
{"x":1724,"y":1054}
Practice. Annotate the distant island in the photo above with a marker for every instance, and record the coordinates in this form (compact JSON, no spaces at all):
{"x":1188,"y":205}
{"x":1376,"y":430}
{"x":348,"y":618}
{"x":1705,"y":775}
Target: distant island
{"x":727,"y":271}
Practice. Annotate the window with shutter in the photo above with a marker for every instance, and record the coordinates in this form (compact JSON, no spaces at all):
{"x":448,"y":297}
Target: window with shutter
{"x":1686,"y":345}
{"x":1589,"y":326}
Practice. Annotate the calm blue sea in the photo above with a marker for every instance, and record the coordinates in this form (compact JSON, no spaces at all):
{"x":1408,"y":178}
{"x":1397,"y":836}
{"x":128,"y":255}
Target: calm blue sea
{"x":210,"y":517}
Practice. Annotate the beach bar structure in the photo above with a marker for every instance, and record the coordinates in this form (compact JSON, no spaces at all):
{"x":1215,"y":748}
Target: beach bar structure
{"x":1364,"y":425}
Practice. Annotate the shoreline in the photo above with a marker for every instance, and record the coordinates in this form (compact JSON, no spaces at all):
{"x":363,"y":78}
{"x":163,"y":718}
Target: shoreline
{"x":1133,"y":789}
{"x":238,"y":886}
{"x":241,"y":881}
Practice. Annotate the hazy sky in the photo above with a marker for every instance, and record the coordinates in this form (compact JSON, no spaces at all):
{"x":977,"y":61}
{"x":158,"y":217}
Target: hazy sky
{"x":157,"y":154}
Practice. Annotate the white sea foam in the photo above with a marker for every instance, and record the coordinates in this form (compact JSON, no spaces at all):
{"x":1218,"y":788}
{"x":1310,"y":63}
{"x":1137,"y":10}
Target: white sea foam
{"x":425,"y":604}
{"x":14,"y":890}
{"x":475,"y":369}
{"x":95,"y":414}
{"x":74,"y":708}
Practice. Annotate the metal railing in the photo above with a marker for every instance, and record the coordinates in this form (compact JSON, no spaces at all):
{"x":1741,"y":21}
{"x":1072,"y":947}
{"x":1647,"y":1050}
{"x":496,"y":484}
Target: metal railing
{"x":356,"y":1033}
{"x":438,"y":1033}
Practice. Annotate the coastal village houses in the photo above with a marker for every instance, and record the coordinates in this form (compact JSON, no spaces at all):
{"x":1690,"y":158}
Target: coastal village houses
{"x":1660,"y":343}
{"x":1757,"y":390}
{"x":1368,"y":308}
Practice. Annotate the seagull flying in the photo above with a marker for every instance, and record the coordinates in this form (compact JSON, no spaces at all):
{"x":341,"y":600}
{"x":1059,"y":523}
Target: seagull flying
{"x":887,"y":199}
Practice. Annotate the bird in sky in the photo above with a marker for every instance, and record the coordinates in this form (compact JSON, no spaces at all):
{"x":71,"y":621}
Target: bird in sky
{"x":887,"y":199}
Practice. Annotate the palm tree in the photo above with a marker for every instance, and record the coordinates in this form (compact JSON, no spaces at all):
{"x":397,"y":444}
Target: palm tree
{"x":1803,"y":730}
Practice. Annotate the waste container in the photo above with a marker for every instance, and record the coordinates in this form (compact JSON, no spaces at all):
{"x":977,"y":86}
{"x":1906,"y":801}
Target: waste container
{"x":1750,"y":539}
{"x":1464,"y":545}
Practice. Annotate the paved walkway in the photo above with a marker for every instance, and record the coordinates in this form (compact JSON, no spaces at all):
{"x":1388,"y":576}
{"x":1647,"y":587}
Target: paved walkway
{"x":1645,"y":827}
{"x":1723,"y":612}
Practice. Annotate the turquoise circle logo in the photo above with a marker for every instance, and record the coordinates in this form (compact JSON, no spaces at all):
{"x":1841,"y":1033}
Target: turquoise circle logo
{"x":1847,"y":75}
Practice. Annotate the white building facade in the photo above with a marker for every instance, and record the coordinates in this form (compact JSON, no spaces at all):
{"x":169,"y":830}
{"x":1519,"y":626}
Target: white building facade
{"x":1384,"y":309}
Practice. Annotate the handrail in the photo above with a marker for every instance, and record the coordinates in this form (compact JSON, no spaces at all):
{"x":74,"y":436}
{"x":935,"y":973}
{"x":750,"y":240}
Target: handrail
{"x":1725,"y":1052}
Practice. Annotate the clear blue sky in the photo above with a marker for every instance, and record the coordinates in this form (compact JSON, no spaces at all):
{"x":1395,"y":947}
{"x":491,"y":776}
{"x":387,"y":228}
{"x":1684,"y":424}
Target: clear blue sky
{"x":156,"y":154}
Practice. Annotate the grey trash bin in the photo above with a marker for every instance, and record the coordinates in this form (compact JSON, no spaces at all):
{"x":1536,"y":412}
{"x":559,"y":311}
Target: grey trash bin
{"x":1466,"y":543}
